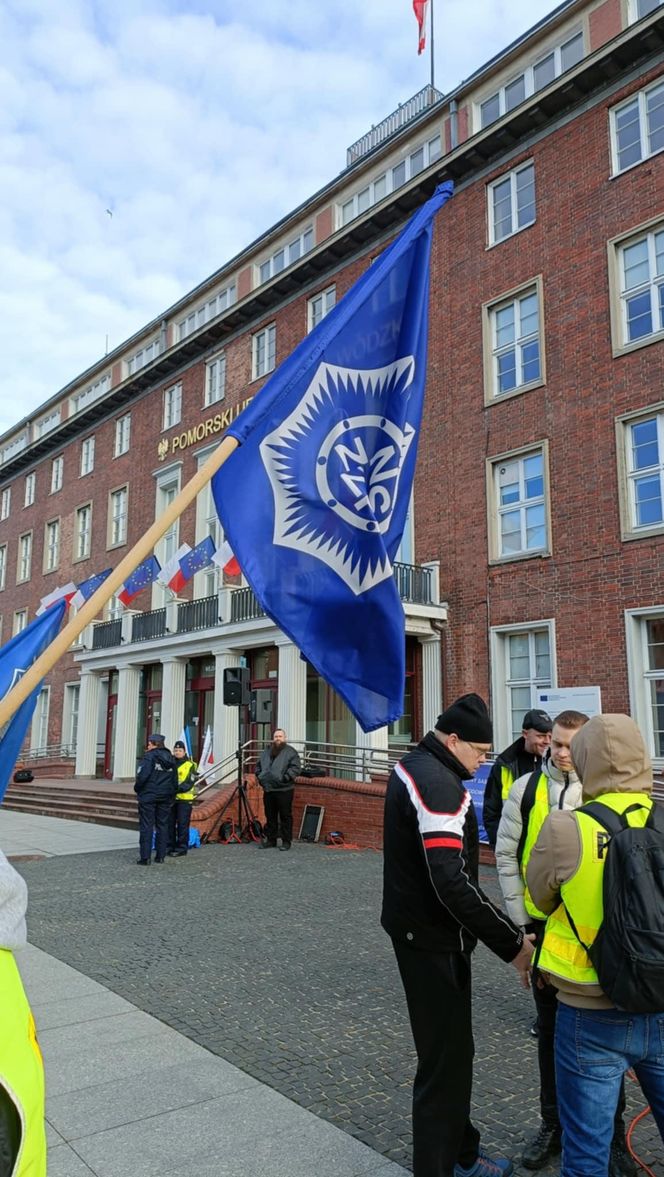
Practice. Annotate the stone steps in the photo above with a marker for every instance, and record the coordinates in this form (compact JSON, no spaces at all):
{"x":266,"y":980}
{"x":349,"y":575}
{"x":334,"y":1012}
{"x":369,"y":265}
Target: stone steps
{"x":101,"y":808}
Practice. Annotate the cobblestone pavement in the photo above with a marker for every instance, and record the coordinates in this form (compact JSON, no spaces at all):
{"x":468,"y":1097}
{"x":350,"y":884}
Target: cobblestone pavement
{"x":277,"y":963}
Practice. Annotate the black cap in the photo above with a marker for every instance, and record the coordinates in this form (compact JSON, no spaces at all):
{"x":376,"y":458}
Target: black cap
{"x":156,"y":738}
{"x":180,"y":744}
{"x":468,"y":718}
{"x":539,"y":721}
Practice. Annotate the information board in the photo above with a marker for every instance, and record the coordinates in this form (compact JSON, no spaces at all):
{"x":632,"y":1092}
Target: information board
{"x":556,"y":699}
{"x":476,"y":787}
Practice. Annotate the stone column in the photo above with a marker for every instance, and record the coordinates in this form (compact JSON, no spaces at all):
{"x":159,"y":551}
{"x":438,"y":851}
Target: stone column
{"x":172,"y":698}
{"x":292,"y":704}
{"x":372,"y":752}
{"x":88,"y":713}
{"x":432,"y":695}
{"x":225,"y":732}
{"x":126,"y":722}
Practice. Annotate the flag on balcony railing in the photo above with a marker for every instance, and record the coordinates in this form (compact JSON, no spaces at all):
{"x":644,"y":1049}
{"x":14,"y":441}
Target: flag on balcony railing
{"x":196,"y":559}
{"x":420,"y":10}
{"x":315,"y":498}
{"x":171,"y":573}
{"x":141,"y":577}
{"x":63,"y":592}
{"x":88,"y":587}
{"x":225,"y":558}
{"x":15,"y":658}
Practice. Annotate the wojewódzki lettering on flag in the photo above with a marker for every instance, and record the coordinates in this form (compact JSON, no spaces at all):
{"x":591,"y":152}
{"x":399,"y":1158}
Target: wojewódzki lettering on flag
{"x":196,"y":559}
{"x":88,"y":587}
{"x":15,"y":658}
{"x":314,"y":500}
{"x":170,"y":574}
{"x":141,"y":577}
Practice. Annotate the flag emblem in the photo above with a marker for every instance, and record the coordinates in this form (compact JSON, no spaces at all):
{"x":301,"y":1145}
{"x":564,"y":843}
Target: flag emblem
{"x":335,"y":489}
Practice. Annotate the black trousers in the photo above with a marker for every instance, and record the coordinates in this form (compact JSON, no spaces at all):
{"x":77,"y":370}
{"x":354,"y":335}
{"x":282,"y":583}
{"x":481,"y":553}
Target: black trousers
{"x":178,"y":825}
{"x":279,"y":813}
{"x":438,"y":993}
{"x":153,"y":813}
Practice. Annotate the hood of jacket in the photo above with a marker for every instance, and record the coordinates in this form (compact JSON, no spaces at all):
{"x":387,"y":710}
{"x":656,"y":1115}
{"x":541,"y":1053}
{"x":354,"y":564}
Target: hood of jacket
{"x":610,"y":757}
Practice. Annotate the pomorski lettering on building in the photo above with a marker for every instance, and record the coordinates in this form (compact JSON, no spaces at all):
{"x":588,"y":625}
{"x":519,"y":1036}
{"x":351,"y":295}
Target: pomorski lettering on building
{"x":198,"y":433}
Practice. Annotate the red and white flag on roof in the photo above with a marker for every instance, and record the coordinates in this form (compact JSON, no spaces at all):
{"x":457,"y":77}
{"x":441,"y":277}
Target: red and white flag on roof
{"x":420,"y":10}
{"x":64,"y":592}
{"x":226,"y":560}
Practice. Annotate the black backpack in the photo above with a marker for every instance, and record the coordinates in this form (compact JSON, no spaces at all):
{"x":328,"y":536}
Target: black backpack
{"x":628,"y":951}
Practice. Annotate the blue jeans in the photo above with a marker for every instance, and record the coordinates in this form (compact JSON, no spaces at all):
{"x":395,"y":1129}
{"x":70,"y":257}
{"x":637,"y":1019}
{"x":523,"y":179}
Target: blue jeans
{"x":594,"y":1048}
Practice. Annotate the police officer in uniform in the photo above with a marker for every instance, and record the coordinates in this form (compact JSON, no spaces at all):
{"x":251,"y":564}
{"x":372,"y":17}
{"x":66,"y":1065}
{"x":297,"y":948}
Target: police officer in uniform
{"x":156,"y":786}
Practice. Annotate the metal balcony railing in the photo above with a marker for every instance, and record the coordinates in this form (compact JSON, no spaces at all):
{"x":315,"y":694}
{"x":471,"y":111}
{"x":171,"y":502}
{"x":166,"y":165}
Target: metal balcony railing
{"x":414,"y":583}
{"x":145,"y":626}
{"x":106,"y":634}
{"x":394,"y":122}
{"x":202,"y":613}
{"x":244,"y":606}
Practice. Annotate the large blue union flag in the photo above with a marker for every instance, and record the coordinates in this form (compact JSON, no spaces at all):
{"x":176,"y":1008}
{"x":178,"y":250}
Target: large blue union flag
{"x":315,"y":499}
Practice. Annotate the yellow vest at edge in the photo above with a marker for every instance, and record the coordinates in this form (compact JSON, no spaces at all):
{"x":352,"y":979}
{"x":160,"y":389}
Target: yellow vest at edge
{"x":21,"y":1068}
{"x":536,"y":819}
{"x":184,"y":767}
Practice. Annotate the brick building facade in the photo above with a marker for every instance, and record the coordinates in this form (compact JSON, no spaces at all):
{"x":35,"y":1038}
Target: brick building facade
{"x":534,"y":556}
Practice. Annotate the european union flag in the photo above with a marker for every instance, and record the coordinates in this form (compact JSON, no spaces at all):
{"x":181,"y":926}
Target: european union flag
{"x":140,"y":578}
{"x":15,"y":658}
{"x":315,"y":499}
{"x":87,"y":587}
{"x":197,"y":559}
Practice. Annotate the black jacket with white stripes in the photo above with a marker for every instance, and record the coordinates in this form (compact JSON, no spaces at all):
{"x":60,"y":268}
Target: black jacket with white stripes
{"x":431,"y":897}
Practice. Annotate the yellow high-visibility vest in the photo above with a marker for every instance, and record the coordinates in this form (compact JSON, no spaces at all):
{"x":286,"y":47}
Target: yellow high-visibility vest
{"x":536,"y":818}
{"x":506,"y":781}
{"x":22,"y":1068}
{"x":562,"y":955}
{"x":184,"y":768}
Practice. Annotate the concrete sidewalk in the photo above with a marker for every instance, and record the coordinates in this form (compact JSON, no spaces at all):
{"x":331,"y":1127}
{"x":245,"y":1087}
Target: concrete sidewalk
{"x":32,"y":835}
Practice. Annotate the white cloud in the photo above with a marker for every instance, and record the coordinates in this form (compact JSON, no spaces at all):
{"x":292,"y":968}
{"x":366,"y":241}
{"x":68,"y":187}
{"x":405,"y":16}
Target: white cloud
{"x":198,"y":125}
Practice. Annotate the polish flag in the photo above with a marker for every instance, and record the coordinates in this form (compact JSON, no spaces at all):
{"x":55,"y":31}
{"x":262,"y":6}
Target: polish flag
{"x":207,"y":759}
{"x":420,"y":10}
{"x":65,"y":592}
{"x":226,"y":560}
{"x":171,"y":574}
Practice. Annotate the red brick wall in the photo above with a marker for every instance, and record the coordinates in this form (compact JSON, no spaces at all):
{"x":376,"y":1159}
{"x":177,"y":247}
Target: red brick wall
{"x":604,"y":23}
{"x":324,"y":224}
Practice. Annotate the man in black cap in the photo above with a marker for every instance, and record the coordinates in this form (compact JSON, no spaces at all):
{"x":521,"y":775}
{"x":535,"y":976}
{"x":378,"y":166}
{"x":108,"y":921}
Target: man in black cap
{"x":156,"y":786}
{"x":435,"y":912}
{"x":523,"y":756}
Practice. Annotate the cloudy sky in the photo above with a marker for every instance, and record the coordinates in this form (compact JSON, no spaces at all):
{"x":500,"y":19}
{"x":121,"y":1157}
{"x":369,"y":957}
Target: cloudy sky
{"x":145,"y":142}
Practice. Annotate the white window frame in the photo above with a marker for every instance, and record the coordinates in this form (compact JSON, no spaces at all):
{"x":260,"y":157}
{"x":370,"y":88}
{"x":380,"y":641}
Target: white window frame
{"x":493,"y":350}
{"x":652,"y":234}
{"x":52,"y":545}
{"x":172,"y":413}
{"x":14,"y":447}
{"x":118,"y":516}
{"x":634,"y":10}
{"x":82,"y":533}
{"x":80,"y":400}
{"x":6,"y":503}
{"x":501,"y":684}
{"x":168,"y":483}
{"x":19,"y":621}
{"x":495,"y":511}
{"x":215,"y":379}
{"x":207,"y":311}
{"x":57,"y":473}
{"x":627,"y":476}
{"x":145,"y":355}
{"x":511,"y":177}
{"x":122,"y":435}
{"x":264,"y":343}
{"x":24,"y":561}
{"x":39,"y":726}
{"x":527,"y":76}
{"x":51,"y":421}
{"x":320,"y":305}
{"x":70,"y":715}
{"x":208,"y":581}
{"x":639,"y":674}
{"x":639,"y":102}
{"x":3,"y":566}
{"x":30,"y":484}
{"x":389,"y":180}
{"x":285,"y":255}
{"x":87,"y":456}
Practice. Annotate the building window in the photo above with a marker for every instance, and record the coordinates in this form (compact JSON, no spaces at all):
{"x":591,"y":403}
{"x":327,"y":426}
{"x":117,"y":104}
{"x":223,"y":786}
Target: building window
{"x":541,"y":73}
{"x":14,"y":447}
{"x":215,"y":379}
{"x":24,"y":566}
{"x":641,"y":269}
{"x":87,"y":456}
{"x":637,"y":128}
{"x":70,"y":716}
{"x":512,"y":203}
{"x":172,"y":406}
{"x":47,"y":423}
{"x":286,"y":255}
{"x":83,"y":532}
{"x":114,"y":608}
{"x":117,"y":517}
{"x":30,"y":480}
{"x":20,"y":621}
{"x":264,"y":351}
{"x":422,"y":156}
{"x":122,"y":434}
{"x":167,"y":489}
{"x":3,"y":566}
{"x":57,"y":469}
{"x":519,"y":497}
{"x":319,"y":306}
{"x":513,"y":328}
{"x":145,"y":355}
{"x":52,"y":546}
{"x":640,"y":8}
{"x":522,"y":662}
{"x":5,"y":502}
{"x":642,"y":447}
{"x":214,"y":306}
{"x":80,"y":400}
{"x":39,"y":731}
{"x":645,"y":663}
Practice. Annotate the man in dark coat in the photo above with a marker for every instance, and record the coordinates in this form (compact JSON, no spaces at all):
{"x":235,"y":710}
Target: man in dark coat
{"x":524,"y":755}
{"x":277,"y":769}
{"x":156,"y":786}
{"x":435,"y":912}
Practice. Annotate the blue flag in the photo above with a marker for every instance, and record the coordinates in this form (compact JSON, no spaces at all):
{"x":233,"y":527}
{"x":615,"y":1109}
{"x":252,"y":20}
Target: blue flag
{"x":140,"y":578}
{"x":197,"y":559}
{"x":315,"y":499}
{"x":15,"y":658}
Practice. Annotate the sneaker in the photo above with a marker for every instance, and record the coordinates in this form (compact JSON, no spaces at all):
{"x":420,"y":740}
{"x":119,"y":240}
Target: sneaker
{"x":620,"y":1161}
{"x":545,"y":1143}
{"x":285,"y":846}
{"x":486,"y":1167}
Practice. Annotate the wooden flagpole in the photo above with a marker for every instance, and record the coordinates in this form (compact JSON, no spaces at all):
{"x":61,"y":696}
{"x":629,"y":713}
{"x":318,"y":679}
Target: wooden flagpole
{"x":89,"y":610}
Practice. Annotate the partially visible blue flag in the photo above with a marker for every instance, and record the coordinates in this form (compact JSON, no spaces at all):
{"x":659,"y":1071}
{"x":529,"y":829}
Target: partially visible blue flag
{"x":197,"y":558}
{"x":15,"y":658}
{"x":140,"y":578}
{"x":315,"y":499}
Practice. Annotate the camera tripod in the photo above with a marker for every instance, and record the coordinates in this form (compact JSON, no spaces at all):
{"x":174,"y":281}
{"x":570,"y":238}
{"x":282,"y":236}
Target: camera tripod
{"x":247,"y":828}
